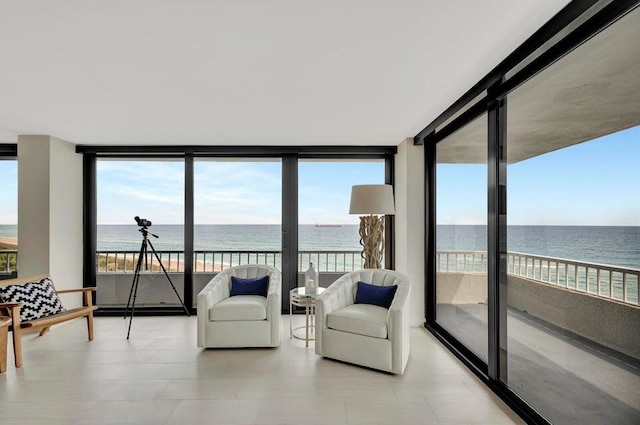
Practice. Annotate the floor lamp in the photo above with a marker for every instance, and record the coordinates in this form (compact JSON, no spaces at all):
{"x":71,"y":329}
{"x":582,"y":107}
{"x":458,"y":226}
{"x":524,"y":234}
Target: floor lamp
{"x":372,"y":199}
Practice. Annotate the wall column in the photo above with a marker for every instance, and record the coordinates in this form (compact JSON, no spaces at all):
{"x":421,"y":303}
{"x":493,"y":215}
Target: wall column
{"x":50,"y":211}
{"x":410,"y":222}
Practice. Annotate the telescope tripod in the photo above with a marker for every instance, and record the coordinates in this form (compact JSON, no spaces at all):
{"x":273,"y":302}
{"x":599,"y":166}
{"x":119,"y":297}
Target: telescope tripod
{"x":133,"y":292}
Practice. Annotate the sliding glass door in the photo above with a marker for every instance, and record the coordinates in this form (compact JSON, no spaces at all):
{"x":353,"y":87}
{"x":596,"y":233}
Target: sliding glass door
{"x":461,"y":235}
{"x":573,"y":320}
{"x":534,"y":248}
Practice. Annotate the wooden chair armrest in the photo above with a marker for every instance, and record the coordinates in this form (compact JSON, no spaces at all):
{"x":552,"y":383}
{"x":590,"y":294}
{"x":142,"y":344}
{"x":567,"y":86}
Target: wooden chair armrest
{"x":5,"y":321}
{"x":14,"y":310}
{"x":67,"y":291}
{"x":87,"y":293}
{"x":10,"y":305}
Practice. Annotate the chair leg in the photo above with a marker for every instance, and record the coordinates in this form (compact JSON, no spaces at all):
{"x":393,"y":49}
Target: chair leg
{"x":17,"y":347}
{"x":90,"y":326}
{"x":3,"y":348}
{"x":44,"y":330}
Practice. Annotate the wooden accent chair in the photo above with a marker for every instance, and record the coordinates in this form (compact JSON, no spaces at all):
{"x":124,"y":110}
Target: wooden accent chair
{"x":43,"y":324}
{"x":4,"y":328}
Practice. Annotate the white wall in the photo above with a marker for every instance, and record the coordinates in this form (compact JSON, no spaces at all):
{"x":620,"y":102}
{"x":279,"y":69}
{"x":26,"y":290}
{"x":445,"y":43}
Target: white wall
{"x":65,"y":216}
{"x":410,"y":222}
{"x":33,"y":205}
{"x":50,"y":211}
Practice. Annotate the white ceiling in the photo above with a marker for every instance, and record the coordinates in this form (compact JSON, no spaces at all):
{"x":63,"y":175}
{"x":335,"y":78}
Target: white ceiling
{"x":236,"y":72}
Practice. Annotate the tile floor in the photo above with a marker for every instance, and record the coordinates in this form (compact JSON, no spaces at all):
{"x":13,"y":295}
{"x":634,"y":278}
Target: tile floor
{"x":159,"y":376}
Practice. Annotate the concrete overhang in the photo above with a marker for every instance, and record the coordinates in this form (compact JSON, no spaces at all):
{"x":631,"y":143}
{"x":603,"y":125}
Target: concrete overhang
{"x":591,"y":92}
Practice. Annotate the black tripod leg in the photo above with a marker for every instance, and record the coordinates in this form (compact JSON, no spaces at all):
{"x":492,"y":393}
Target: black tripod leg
{"x":133,"y":304}
{"x":134,"y":284}
{"x":169,"y":279}
{"x":136,"y":275}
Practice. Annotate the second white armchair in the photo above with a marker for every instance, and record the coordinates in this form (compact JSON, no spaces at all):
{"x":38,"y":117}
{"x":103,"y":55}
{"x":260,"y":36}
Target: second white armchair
{"x":352,"y":328}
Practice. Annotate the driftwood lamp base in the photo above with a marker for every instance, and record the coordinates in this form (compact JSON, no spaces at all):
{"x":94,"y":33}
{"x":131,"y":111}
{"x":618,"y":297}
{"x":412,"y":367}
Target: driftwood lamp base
{"x":372,"y":240}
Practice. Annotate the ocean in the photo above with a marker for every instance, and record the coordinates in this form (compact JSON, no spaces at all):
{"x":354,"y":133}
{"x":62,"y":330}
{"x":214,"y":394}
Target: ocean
{"x":230,"y":237}
{"x":614,"y":245}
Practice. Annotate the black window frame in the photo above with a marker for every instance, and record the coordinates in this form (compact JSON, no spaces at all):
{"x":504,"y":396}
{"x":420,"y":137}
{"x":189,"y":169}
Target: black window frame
{"x":289,"y":155}
{"x":9,"y":152}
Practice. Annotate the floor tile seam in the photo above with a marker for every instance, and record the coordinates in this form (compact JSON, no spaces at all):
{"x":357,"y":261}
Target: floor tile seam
{"x":434,"y":410}
{"x":398,"y":394}
{"x":163,"y":365}
{"x":118,"y":380}
{"x":271,"y":399}
{"x":235,"y":395}
{"x":467,"y":383}
{"x":388,"y":389}
{"x":431,"y":409}
{"x":322,"y":409}
{"x":166,"y":419}
{"x":94,"y":380}
{"x":90,"y":405}
{"x":432,"y":379}
{"x":162,"y":390}
{"x":428,"y":416}
{"x":187,"y":400}
{"x":76,"y":365}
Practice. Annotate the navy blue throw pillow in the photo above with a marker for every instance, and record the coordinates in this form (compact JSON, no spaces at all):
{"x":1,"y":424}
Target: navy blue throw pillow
{"x":377,"y":295}
{"x":256,"y":286}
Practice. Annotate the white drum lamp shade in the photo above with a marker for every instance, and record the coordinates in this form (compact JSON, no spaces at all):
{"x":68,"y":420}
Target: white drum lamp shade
{"x":372,"y":199}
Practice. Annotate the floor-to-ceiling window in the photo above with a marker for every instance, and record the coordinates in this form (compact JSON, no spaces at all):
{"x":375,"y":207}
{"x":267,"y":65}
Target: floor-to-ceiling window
{"x":328,"y":235}
{"x":151,"y":190}
{"x":573,"y":234}
{"x":461,"y":235}
{"x":237,"y":215}
{"x":560,"y":136}
{"x":213,"y":209}
{"x":8,"y":216}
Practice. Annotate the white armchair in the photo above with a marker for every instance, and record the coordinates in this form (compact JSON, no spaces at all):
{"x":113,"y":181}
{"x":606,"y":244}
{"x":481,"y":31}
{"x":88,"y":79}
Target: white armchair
{"x":241,"y":320}
{"x":364,"y":334}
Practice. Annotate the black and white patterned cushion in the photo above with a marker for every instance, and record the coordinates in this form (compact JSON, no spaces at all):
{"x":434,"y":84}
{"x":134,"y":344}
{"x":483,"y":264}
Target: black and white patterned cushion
{"x":39,"y":299}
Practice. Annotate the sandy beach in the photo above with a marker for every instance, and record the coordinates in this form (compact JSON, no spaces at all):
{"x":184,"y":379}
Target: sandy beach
{"x":107,"y":263}
{"x":9,"y":241}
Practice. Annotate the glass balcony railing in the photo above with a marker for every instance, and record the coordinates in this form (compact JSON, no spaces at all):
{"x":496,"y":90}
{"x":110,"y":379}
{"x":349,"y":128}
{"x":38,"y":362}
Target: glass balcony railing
{"x":601,"y":280}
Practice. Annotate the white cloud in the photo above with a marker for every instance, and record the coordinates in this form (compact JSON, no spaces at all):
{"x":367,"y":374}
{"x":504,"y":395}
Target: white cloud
{"x":8,"y":218}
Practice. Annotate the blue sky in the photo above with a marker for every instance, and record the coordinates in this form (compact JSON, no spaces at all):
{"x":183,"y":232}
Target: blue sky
{"x":9,"y":191}
{"x":228,"y":192}
{"x":594,"y":183}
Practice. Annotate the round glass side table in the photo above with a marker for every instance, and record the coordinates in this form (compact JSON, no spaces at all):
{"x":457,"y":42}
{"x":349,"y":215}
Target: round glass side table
{"x":298,"y":297}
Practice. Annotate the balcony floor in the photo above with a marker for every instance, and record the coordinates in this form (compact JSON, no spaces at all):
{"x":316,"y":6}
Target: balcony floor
{"x":160,"y":377}
{"x":567,"y":378}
